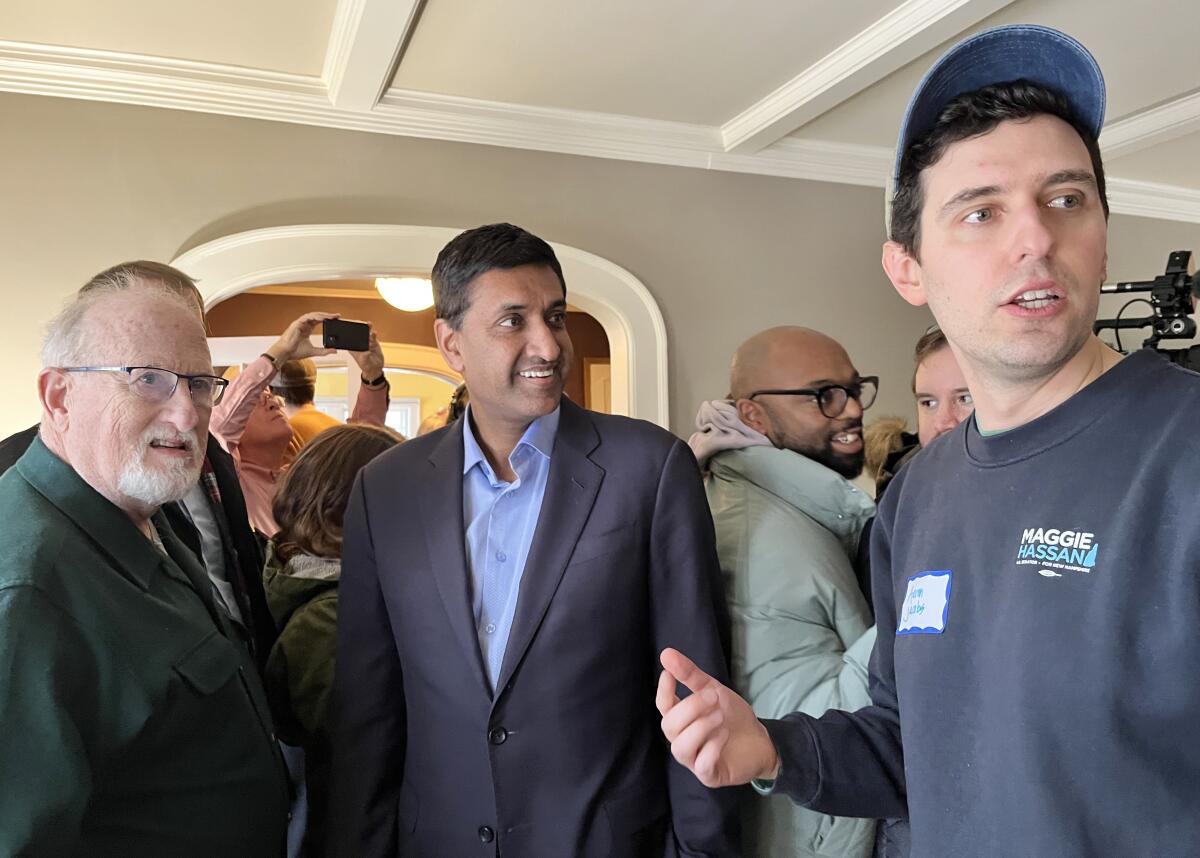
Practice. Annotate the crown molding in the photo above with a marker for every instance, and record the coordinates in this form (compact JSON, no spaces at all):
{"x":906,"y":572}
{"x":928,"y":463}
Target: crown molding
{"x":303,"y":99}
{"x":81,"y":72}
{"x":365,"y":44}
{"x":1158,"y":124}
{"x":1153,"y":200}
{"x":160,"y":82}
{"x":814,"y":160}
{"x":518,"y":126}
{"x":625,"y":138}
{"x":896,"y":39}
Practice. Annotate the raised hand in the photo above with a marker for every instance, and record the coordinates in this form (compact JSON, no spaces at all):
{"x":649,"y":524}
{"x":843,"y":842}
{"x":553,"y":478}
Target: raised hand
{"x":713,"y":732}
{"x":370,"y":362}
{"x":294,"y":342}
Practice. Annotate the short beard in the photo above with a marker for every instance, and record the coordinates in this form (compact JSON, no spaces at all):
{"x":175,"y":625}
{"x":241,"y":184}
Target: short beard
{"x":848,"y":465}
{"x":157,"y":486}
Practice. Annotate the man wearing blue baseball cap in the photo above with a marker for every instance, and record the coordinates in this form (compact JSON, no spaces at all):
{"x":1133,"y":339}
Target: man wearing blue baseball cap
{"x":1034,"y":683}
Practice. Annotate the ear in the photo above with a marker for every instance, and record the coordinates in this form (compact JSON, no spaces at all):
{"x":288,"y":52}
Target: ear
{"x":53,"y":386}
{"x":754,"y":415}
{"x":447,"y":343}
{"x":904,"y":270}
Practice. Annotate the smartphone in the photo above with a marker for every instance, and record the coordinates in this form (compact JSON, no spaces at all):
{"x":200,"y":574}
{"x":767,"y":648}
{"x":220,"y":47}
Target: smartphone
{"x":350,"y":336}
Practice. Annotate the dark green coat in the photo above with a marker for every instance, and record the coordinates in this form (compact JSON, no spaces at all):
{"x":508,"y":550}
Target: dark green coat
{"x":132,"y":726}
{"x":302,"y":596}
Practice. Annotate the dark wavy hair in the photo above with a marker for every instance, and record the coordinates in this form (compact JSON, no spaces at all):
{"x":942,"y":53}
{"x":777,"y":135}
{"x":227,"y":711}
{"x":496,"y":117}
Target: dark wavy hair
{"x":971,"y":115}
{"x":310,"y":501}
{"x":477,"y":251}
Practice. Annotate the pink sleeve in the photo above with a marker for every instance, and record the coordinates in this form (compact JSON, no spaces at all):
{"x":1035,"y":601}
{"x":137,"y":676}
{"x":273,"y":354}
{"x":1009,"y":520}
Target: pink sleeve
{"x":371,"y":405}
{"x":231,"y":415}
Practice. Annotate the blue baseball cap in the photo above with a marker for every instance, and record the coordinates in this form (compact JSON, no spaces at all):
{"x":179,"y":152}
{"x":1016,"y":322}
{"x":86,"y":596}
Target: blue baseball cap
{"x":1014,"y":52}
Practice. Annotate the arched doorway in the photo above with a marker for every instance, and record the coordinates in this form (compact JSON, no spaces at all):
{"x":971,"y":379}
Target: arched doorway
{"x":619,"y":301}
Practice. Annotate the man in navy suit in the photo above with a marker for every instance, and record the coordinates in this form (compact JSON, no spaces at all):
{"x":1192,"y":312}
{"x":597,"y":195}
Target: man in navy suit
{"x":507,"y":584}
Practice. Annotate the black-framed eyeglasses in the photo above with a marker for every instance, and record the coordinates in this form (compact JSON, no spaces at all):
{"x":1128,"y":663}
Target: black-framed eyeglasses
{"x":155,"y":384}
{"x":832,"y":398}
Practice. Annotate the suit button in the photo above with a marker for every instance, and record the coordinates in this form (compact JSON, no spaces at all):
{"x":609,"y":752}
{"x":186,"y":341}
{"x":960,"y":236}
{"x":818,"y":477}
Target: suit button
{"x":486,"y":834}
{"x":497,"y":736}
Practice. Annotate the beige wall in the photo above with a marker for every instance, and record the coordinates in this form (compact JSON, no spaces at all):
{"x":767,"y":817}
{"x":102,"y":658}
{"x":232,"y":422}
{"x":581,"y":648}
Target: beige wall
{"x":86,"y":185}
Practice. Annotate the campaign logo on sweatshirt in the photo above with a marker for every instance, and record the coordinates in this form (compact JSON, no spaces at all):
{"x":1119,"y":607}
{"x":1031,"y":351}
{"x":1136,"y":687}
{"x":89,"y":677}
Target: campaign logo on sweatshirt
{"x":1055,"y":551}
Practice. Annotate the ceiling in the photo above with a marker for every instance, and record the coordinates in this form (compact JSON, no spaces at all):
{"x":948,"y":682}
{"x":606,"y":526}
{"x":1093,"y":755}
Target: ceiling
{"x":797,"y":88}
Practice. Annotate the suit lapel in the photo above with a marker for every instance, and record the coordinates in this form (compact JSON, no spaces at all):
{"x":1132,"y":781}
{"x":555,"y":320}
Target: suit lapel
{"x":445,"y":537}
{"x":571,"y":489}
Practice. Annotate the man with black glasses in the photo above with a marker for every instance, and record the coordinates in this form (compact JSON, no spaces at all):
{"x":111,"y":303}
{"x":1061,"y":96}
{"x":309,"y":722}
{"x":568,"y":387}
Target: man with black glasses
{"x":134,"y":721}
{"x":780,"y":453}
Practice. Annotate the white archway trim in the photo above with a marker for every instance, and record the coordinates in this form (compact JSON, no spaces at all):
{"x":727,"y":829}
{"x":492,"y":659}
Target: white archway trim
{"x":637,"y":335}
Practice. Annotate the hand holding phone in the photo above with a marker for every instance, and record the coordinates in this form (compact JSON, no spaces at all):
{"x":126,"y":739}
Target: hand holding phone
{"x":350,"y":336}
{"x":294,"y":342}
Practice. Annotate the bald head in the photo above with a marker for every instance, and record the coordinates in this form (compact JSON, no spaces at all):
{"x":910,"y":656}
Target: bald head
{"x":784,"y":357}
{"x":791,"y":359}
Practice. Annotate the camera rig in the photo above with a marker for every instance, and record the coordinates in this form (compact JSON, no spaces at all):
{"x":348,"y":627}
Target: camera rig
{"x":1171,"y":296}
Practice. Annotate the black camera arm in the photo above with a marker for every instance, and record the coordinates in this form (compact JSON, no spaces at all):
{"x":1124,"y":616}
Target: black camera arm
{"x":1170,"y":297}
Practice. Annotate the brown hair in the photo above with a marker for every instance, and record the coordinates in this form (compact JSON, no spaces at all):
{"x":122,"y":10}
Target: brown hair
{"x":296,"y":382}
{"x":477,"y":251}
{"x":312,"y":496}
{"x":931,"y":341}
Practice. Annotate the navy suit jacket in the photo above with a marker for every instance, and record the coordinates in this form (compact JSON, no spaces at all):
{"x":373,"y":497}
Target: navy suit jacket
{"x":566,"y":758}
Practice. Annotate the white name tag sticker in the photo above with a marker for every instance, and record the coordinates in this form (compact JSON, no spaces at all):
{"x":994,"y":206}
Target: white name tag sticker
{"x":926,"y":604}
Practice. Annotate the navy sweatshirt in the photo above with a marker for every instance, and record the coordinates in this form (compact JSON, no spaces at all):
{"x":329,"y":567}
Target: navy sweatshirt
{"x":1036,"y":681}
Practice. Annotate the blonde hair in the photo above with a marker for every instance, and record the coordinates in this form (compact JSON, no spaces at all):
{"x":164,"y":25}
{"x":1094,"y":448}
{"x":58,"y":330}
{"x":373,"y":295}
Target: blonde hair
{"x":880,"y":439}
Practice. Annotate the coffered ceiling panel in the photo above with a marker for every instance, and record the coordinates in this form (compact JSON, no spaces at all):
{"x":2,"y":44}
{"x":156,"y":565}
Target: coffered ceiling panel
{"x":278,"y":35}
{"x":1148,"y":52}
{"x":699,"y":61}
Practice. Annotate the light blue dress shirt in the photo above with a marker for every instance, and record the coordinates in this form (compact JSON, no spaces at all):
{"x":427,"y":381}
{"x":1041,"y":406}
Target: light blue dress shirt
{"x":500,"y":519}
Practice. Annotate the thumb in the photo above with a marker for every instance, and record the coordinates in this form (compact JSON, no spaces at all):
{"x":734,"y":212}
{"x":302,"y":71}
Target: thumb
{"x":684,"y":670}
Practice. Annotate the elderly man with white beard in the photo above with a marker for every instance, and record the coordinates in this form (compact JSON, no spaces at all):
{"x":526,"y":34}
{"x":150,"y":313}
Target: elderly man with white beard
{"x":116,"y":661}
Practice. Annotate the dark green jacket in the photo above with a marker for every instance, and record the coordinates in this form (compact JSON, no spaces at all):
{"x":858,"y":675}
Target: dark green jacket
{"x":132,"y":726}
{"x":302,"y":596}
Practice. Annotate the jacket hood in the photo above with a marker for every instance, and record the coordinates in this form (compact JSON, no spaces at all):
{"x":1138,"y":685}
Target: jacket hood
{"x":291,"y":585}
{"x":820,"y":493}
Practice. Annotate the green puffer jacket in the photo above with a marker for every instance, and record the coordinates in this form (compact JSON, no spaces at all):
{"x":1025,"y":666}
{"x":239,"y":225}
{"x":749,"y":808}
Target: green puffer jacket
{"x":787,"y":530}
{"x":302,"y":596}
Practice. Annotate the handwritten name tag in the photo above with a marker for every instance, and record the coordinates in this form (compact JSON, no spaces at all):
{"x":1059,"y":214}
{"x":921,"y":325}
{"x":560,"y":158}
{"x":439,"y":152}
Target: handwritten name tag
{"x":926,"y":604}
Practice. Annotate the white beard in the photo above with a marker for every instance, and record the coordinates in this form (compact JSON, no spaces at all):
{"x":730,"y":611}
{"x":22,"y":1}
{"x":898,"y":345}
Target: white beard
{"x":157,"y":486}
